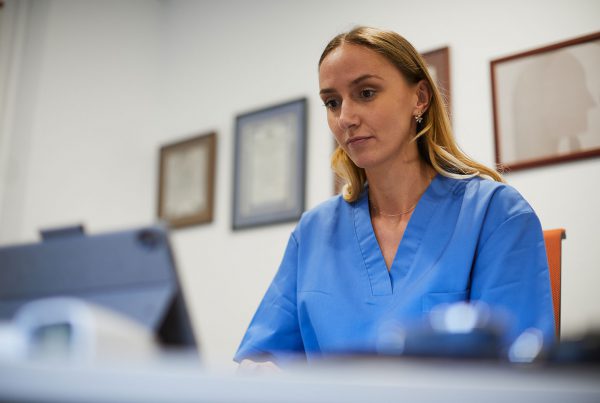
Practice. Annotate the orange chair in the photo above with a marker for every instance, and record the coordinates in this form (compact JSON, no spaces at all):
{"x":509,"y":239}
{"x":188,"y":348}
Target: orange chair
{"x":553,"y":239}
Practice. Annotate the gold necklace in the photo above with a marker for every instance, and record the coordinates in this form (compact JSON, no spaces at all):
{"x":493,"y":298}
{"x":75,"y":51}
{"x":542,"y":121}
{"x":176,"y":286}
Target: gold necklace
{"x":394,"y":215}
{"x":400,"y":214}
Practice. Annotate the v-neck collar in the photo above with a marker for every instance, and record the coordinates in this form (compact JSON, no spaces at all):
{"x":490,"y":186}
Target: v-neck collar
{"x":382,"y":280}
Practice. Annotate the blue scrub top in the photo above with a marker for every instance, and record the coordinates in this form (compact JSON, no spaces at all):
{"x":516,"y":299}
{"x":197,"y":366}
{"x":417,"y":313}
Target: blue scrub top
{"x":468,"y":239}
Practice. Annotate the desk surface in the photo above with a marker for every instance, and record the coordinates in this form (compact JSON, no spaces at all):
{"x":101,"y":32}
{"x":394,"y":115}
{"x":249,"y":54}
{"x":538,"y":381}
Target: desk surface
{"x":372,"y":380}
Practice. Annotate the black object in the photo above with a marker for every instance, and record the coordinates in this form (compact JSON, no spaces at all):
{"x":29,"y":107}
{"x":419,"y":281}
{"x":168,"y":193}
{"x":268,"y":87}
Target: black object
{"x":477,"y":344}
{"x":584,"y":350}
{"x":61,"y":233}
{"x":461,"y":330}
{"x":131,"y":272}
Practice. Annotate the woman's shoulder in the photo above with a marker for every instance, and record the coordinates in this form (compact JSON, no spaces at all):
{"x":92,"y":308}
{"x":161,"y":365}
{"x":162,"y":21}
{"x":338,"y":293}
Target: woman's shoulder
{"x":323,"y":215}
{"x":484,"y":191}
{"x":501,"y":196}
{"x":499,"y":202}
{"x":327,"y":208}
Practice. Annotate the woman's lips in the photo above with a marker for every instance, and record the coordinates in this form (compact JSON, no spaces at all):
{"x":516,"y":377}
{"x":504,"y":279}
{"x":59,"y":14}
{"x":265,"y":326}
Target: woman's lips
{"x":358,"y":140}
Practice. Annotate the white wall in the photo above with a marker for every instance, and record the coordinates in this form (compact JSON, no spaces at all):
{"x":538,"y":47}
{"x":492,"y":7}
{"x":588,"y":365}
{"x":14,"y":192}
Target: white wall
{"x":101,"y":85}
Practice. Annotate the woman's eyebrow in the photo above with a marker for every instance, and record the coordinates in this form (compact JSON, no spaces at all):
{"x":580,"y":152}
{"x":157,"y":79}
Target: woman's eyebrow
{"x":326,"y":91}
{"x":365,"y":77}
{"x":356,"y":81}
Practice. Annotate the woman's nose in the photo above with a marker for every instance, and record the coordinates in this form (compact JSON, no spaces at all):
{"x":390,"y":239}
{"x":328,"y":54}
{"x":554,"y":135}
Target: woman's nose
{"x":348,"y":117}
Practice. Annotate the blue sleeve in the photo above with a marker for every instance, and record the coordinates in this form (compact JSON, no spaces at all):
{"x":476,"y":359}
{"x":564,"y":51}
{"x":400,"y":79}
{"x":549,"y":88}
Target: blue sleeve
{"x":274,"y":331}
{"x":511,"y":273}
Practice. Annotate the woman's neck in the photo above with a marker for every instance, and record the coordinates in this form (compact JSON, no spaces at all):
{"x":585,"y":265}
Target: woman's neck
{"x":398,"y":189}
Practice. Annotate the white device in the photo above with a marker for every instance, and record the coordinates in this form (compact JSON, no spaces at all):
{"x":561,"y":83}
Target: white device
{"x":71,"y":328}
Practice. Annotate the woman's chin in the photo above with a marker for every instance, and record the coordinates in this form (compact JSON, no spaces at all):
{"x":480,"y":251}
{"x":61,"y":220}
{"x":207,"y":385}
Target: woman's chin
{"x":366,"y":163}
{"x":364,"y":160}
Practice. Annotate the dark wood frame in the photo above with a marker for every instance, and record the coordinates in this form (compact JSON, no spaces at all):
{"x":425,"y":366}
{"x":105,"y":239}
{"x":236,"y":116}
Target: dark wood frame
{"x":530,"y":163}
{"x":205,"y":215}
{"x":440,"y":59}
{"x":272,"y":213}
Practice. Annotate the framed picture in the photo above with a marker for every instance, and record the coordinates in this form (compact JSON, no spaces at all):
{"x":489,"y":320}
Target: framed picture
{"x":547,"y":104}
{"x":187,"y":181}
{"x":438,"y":64}
{"x":270,"y":159}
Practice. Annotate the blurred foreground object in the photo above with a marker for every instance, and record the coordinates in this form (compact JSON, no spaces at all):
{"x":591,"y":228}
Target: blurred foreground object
{"x":459,"y":330}
{"x":131,"y":272}
{"x":584,"y":350}
{"x":68,"y":328}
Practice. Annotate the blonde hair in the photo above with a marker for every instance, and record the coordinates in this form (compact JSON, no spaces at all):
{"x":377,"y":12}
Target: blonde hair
{"x":434,"y":138}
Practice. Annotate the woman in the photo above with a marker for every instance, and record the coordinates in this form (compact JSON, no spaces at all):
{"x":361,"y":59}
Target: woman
{"x":418,"y":223}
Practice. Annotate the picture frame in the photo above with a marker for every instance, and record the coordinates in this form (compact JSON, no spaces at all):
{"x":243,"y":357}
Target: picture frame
{"x":438,"y":64}
{"x":187,"y":181}
{"x":270,"y":165}
{"x":546,"y":104}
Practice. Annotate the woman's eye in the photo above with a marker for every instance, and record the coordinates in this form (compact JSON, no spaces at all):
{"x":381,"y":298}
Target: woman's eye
{"x":331,"y":104}
{"x":367,"y":93}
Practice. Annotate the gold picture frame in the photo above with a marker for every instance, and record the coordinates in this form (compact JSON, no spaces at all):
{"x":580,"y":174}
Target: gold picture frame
{"x":187,"y":181}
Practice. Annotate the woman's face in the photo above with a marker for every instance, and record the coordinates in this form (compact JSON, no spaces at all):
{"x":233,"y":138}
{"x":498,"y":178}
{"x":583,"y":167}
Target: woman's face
{"x":370,"y":106}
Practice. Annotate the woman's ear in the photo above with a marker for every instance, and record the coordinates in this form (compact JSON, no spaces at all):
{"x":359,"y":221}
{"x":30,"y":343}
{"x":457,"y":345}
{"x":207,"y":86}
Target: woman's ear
{"x":423,"y":96}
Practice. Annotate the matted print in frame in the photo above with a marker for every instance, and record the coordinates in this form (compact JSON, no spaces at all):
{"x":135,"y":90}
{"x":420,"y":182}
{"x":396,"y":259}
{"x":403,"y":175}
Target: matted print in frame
{"x":187,"y":181}
{"x":270,"y":164}
{"x":547,"y":104}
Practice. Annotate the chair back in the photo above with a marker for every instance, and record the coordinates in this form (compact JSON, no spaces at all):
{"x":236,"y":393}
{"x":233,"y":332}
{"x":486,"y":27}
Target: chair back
{"x":553,"y":239}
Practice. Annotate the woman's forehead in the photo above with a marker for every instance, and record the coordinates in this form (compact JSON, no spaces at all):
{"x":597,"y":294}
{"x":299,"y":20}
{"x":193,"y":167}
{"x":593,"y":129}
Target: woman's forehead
{"x":356,"y":54}
{"x":349,"y":61}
